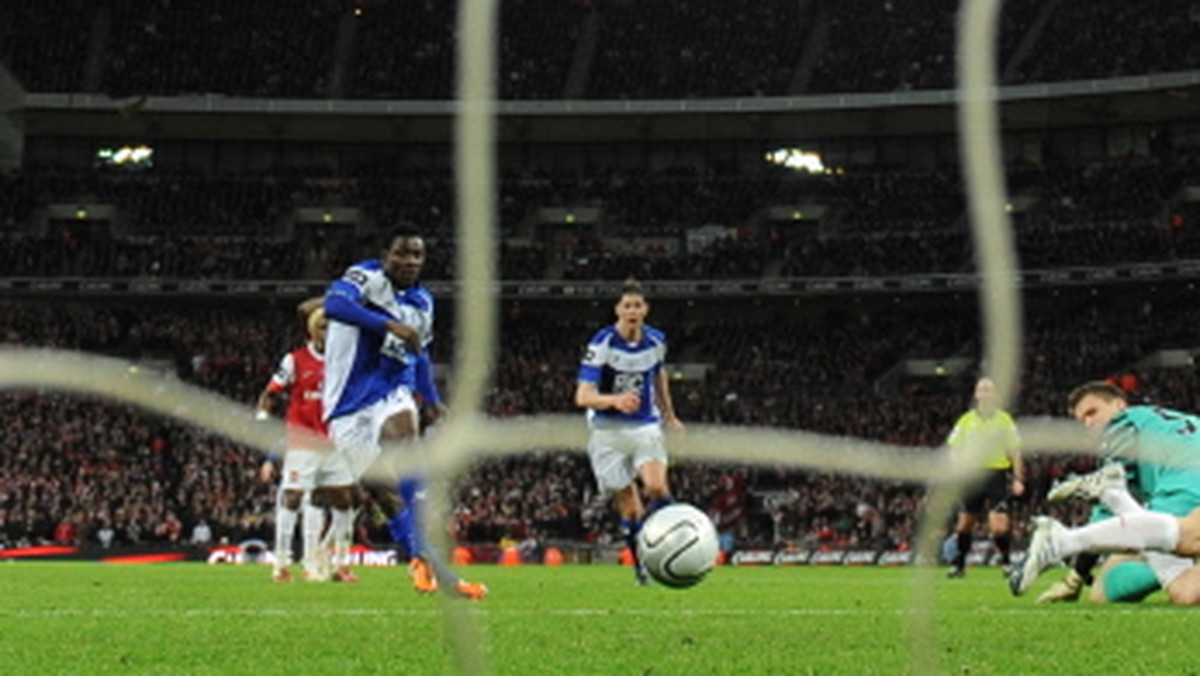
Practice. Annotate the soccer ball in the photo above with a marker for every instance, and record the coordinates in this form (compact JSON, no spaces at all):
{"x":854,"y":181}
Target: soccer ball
{"x":678,"y":545}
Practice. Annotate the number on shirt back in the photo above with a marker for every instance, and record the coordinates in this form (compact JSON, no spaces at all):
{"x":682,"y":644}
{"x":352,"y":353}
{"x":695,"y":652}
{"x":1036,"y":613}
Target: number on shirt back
{"x":1186,"y":425}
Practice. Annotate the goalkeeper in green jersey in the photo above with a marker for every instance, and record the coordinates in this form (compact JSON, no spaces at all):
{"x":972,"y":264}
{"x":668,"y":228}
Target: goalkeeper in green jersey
{"x":1160,"y":450}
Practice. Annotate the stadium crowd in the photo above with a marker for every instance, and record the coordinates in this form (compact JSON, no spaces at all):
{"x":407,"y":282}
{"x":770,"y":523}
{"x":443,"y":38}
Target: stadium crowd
{"x":671,"y":224}
{"x":696,"y":49}
{"x":600,"y":49}
{"x":102,"y":472}
{"x":1154,"y":37}
{"x":281,"y":49}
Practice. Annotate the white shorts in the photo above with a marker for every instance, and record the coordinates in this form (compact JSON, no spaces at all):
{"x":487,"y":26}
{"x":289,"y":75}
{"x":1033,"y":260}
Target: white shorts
{"x":304,"y":470}
{"x":1167,"y":567}
{"x":356,"y":435}
{"x":617,"y":453}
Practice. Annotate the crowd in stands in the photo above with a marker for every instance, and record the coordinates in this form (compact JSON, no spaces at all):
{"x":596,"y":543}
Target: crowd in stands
{"x":16,"y":201}
{"x":914,"y":48}
{"x":726,"y":258}
{"x":1150,"y":37}
{"x":74,"y":252}
{"x":44,"y":45}
{"x":406,"y":50}
{"x":697,"y":50}
{"x":78,"y":471}
{"x":278,"y":49}
{"x":873,"y":222}
{"x":611,"y":48}
{"x":423,"y":68}
{"x":914,"y":45}
{"x":94,"y":466}
{"x":537,"y":47}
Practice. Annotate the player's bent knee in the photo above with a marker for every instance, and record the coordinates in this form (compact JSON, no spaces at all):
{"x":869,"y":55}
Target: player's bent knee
{"x":1189,"y":534}
{"x":384,"y":496}
{"x":1184,"y":594}
{"x":657,"y":490}
{"x":292,"y":499}
{"x":654,"y":478}
{"x":319,"y":497}
{"x":400,"y":427}
{"x":629,"y":505}
{"x":1184,"y":588}
{"x":341,"y":498}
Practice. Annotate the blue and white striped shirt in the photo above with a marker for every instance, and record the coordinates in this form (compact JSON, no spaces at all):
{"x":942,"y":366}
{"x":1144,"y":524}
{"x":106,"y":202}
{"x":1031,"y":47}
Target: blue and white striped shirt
{"x":364,"y":363}
{"x":616,"y":366}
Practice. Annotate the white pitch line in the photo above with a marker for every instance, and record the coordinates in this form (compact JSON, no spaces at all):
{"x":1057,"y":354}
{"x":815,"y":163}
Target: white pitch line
{"x":51,"y":613}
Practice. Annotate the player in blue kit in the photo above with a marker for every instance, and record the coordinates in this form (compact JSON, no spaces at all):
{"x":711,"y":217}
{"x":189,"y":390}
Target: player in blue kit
{"x":627,"y":394}
{"x":376,"y":360}
{"x":1161,"y":448}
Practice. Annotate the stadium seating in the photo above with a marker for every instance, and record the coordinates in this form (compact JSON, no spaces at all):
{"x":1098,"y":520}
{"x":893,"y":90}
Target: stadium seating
{"x":876,"y":221}
{"x":604,"y":49}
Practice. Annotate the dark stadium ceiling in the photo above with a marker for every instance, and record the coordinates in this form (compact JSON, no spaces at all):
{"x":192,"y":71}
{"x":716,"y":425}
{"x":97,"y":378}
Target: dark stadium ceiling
{"x":851,"y":116}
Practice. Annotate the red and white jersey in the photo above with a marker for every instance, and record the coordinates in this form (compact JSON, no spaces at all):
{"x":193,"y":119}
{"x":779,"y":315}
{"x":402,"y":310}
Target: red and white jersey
{"x":301,"y":374}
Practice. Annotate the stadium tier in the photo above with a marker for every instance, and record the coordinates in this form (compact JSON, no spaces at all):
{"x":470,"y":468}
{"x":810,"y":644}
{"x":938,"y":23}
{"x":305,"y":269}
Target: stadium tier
{"x":596,"y":49}
{"x":652,"y":225}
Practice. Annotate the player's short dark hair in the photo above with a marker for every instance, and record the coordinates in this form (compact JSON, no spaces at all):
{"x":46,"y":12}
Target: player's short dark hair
{"x":633,"y":287}
{"x":401,"y":231}
{"x":1101,"y":388}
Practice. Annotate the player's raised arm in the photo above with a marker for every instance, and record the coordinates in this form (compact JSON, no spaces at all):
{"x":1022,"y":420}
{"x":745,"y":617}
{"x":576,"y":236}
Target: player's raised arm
{"x":344,"y":303}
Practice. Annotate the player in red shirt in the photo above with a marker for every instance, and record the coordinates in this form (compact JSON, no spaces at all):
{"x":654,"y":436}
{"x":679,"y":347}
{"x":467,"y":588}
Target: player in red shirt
{"x":308,"y":464}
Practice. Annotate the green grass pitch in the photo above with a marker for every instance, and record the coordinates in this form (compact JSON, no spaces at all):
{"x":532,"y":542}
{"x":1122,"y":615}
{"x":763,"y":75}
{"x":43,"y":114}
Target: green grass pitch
{"x":84,"y":618}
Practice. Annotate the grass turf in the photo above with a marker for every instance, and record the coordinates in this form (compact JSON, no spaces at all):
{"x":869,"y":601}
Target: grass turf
{"x":192,"y":618}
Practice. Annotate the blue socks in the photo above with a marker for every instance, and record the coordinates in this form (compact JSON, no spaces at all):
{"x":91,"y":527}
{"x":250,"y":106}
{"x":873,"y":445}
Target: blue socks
{"x":631,"y":529}
{"x":657,"y":504}
{"x":405,"y":525}
{"x":405,"y":528}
